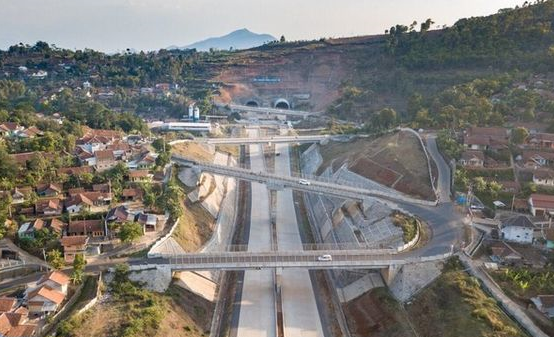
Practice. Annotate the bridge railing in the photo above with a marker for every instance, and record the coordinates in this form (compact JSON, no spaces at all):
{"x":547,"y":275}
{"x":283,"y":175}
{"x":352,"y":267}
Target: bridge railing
{"x":323,"y":247}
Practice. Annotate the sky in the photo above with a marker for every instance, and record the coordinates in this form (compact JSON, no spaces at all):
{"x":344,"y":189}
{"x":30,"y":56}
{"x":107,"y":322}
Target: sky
{"x":114,"y":25}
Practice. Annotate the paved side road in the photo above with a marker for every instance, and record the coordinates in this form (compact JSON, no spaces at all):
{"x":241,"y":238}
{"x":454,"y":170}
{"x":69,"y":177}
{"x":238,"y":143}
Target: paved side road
{"x":510,"y":306}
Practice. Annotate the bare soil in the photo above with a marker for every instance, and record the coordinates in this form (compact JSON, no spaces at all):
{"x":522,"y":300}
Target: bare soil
{"x":185,"y":315}
{"x":194,"y":150}
{"x":377,"y":314}
{"x":396,"y":160}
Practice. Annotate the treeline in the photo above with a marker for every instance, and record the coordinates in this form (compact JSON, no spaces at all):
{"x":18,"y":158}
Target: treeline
{"x":519,"y":37}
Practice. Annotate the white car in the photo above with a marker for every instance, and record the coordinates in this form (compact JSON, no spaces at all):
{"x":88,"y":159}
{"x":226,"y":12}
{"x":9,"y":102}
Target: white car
{"x":303,"y":182}
{"x":325,"y":257}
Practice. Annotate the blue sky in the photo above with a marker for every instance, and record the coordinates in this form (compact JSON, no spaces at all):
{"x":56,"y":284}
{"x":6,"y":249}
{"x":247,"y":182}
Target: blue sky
{"x":112,"y":25}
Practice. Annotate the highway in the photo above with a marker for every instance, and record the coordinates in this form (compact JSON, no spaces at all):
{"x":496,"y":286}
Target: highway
{"x":311,"y":184}
{"x":300,"y":312}
{"x":257,"y":305}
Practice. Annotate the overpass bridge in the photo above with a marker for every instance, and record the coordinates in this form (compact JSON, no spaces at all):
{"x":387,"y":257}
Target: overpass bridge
{"x":306,"y":259}
{"x":268,"y":111}
{"x":263,"y":140}
{"x":312,"y":184}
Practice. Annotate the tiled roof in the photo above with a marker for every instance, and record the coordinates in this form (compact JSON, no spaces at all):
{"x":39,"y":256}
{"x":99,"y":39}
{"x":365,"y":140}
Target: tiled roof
{"x":55,"y":276}
{"x":7,"y":303}
{"x":77,"y":240}
{"x":48,"y":293}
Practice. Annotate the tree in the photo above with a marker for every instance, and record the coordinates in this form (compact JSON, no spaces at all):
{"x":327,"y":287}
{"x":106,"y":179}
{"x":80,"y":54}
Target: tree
{"x":79,"y":262}
{"x":55,"y":258}
{"x":282,"y":39}
{"x":387,"y":117}
{"x":130,"y":232}
{"x":163,"y":159}
{"x":519,"y":135}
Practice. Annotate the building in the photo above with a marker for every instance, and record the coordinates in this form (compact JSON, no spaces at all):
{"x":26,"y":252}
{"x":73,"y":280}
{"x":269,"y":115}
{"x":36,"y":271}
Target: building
{"x":543,"y":177}
{"x":72,"y":246}
{"x":541,"y":204}
{"x":541,"y":141}
{"x":472,"y":158}
{"x":89,"y":201}
{"x":545,"y":304}
{"x":21,"y":194}
{"x":518,"y":229}
{"x":503,"y":253}
{"x":48,"y":207}
{"x":131,"y":194}
{"x":105,"y":160}
{"x":549,"y":237}
{"x":148,"y":221}
{"x":479,"y":138}
{"x":536,"y":159}
{"x":55,"y":280}
{"x":28,"y":229}
{"x":43,"y":300}
{"x":140,"y":176}
{"x":90,"y":228}
{"x":49,"y":190}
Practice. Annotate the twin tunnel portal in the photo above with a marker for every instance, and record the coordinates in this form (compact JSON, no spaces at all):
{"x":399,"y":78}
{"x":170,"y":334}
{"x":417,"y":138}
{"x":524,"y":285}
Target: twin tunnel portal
{"x":280,"y":103}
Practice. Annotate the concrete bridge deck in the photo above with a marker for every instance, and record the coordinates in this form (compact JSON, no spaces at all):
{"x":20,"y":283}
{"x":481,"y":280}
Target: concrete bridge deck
{"x":309,"y":184}
{"x":341,"y":259}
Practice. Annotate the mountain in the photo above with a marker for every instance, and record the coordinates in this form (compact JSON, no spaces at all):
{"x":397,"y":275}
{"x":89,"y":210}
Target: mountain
{"x":239,"y":39}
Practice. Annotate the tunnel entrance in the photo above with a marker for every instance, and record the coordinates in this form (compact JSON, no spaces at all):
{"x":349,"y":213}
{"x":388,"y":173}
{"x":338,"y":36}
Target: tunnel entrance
{"x":282,"y":104}
{"x":252,"y":104}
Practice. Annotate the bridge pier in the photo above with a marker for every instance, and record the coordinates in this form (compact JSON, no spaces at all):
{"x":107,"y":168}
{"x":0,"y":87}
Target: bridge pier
{"x":388,"y":274}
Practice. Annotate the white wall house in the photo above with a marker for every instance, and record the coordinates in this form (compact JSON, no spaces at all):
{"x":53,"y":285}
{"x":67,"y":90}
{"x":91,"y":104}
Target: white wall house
{"x":518,"y":229}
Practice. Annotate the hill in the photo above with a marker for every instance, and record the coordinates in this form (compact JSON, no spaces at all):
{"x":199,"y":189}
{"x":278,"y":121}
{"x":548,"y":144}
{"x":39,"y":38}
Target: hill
{"x":239,"y":39}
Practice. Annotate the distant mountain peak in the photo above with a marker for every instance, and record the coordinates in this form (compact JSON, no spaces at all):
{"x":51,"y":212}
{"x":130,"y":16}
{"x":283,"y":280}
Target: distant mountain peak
{"x":238,"y":39}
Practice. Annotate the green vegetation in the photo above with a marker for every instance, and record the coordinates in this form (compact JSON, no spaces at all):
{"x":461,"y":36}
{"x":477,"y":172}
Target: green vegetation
{"x":449,"y":145}
{"x":408,"y":224}
{"x":130,"y":232}
{"x":55,"y":258}
{"x":526,"y":282}
{"x":455,"y":305}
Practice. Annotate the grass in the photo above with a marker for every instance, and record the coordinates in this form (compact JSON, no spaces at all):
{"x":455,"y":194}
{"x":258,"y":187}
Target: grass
{"x":194,"y":151}
{"x":455,"y":305}
{"x":133,"y":311}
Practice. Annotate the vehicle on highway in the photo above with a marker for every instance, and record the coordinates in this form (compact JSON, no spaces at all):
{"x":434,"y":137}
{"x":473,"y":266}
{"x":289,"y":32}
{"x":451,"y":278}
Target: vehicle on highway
{"x":277,"y":153}
{"x":325,"y":257}
{"x":303,"y":182}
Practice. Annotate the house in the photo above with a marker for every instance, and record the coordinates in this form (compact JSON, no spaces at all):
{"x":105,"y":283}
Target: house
{"x":140,"y":176}
{"x":502,"y":253}
{"x":21,"y":194}
{"x":57,"y":226}
{"x":28,"y":229}
{"x":75,"y":171}
{"x":22,"y":159}
{"x":90,"y":201}
{"x":119,"y":214}
{"x":31,"y":132}
{"x":14,"y":323}
{"x":85,"y":158}
{"x":43,"y":300}
{"x":91,"y":228}
{"x":144,"y":161}
{"x":543,"y":177}
{"x":121,"y":150}
{"x":472,"y":158}
{"x":131,"y":194}
{"x":49,"y":190}
{"x":41,"y":74}
{"x":55,"y":280}
{"x":105,"y":160}
{"x":536,"y":159}
{"x":541,"y":141}
{"x":518,"y":229}
{"x":548,"y":234}
{"x":73,"y":245}
{"x":541,"y":204}
{"x":104,"y":188}
{"x":48,"y":207}
{"x":480,"y":138}
{"x":148,"y":222}
{"x":9,"y":129}
{"x":545,"y":304}
{"x":7,"y":304}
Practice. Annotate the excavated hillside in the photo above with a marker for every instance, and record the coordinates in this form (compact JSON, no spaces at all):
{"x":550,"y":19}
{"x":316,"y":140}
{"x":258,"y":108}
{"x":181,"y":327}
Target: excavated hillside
{"x":396,"y":160}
